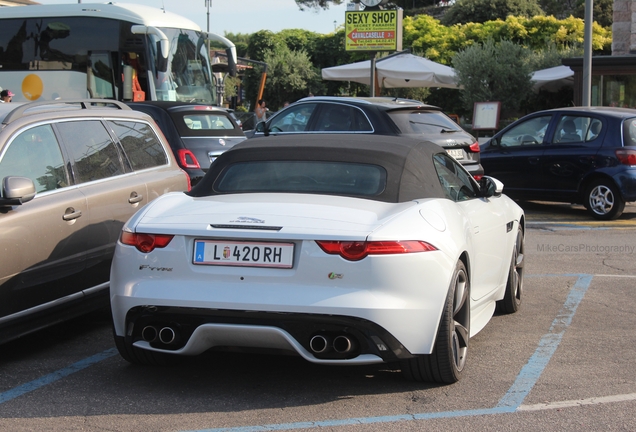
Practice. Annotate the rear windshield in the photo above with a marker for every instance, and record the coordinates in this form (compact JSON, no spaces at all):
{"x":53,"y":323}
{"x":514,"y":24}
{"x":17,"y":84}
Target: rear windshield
{"x":629,"y":132}
{"x":423,"y":122}
{"x":206,"y":124}
{"x":332,"y":178}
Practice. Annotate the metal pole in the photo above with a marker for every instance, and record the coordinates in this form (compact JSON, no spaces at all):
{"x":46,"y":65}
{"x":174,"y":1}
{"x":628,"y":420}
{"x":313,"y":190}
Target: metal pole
{"x":587,"y":54}
{"x":372,"y":83}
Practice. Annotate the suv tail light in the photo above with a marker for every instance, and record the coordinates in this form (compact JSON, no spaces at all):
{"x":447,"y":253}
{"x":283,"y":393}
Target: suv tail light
{"x":355,"y":251}
{"x":145,"y":242}
{"x":187,"y":159}
{"x":626,"y":156}
{"x":474,"y":147}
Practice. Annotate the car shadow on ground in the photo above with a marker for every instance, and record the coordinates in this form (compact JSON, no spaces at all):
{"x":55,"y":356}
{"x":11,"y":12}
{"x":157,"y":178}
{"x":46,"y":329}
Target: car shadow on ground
{"x":563,"y":212}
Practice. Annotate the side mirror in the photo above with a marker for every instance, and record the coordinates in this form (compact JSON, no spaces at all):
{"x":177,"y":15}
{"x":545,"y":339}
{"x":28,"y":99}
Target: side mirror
{"x":262,"y":127}
{"x":16,"y":191}
{"x":489,"y":186}
{"x":162,"y":55}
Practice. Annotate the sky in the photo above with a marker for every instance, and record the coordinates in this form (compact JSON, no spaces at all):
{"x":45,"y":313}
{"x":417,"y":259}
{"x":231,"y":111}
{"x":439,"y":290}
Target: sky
{"x":244,"y":16}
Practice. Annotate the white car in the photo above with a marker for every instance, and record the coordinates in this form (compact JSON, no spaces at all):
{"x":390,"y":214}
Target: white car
{"x":341,"y":249}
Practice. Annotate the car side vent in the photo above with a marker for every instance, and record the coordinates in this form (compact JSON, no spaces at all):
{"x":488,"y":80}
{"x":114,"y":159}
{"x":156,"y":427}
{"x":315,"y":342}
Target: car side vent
{"x":247,"y":227}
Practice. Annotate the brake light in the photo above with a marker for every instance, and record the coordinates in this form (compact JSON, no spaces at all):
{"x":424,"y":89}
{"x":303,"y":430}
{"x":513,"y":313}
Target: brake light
{"x":626,"y":156}
{"x":145,"y":242}
{"x":474,"y":147}
{"x":187,"y":159}
{"x":355,"y":251}
{"x":478,"y":177}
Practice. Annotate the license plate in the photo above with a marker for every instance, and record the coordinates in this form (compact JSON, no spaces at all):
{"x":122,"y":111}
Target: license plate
{"x":457,"y":154}
{"x":243,"y":254}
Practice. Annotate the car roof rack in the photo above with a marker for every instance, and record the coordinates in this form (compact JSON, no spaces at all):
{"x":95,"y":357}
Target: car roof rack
{"x":55,"y":105}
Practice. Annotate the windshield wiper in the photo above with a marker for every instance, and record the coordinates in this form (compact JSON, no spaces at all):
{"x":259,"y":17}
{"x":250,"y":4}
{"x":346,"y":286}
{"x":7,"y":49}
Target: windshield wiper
{"x":436,"y":125}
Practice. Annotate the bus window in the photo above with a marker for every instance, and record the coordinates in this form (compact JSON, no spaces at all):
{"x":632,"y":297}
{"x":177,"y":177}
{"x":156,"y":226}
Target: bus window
{"x":188,"y":77}
{"x":101,"y":77}
{"x":71,"y":51}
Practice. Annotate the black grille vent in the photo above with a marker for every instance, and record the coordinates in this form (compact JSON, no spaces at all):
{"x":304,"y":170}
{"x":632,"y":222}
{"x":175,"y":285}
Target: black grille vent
{"x":247,"y":227}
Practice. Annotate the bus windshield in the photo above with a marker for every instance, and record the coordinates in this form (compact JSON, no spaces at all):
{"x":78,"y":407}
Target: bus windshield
{"x":64,"y":57}
{"x":187,"y":78}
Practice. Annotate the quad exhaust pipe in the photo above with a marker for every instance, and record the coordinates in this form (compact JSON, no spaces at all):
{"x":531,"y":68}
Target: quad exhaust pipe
{"x":341,"y":344}
{"x":166,"y":335}
{"x":149,"y":334}
{"x":320,"y":344}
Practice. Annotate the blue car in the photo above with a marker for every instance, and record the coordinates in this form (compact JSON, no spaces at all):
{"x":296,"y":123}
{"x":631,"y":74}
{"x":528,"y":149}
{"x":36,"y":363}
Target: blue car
{"x":577,"y":155}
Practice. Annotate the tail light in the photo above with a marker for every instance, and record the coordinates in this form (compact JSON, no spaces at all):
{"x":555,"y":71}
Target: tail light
{"x":187,"y":159}
{"x":474,"y":147}
{"x":355,"y":251}
{"x":145,"y":242}
{"x":626,"y":156}
{"x":478,"y":176}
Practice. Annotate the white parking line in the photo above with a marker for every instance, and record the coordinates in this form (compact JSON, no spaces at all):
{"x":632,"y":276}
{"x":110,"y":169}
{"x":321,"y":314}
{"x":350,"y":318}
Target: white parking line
{"x":578,"y":402}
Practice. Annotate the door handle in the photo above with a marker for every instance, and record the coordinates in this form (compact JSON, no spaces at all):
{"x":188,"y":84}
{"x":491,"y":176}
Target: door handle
{"x":134,"y":198}
{"x":71,"y":214}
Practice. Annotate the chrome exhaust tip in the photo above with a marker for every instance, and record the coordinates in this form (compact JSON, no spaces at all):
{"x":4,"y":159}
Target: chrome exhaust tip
{"x":342,"y":344}
{"x":149,"y":334}
{"x":167,"y":335}
{"x":319,"y":344}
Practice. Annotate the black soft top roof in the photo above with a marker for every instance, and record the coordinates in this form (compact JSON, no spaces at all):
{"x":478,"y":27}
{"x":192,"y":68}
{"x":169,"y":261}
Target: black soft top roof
{"x":408,"y":162}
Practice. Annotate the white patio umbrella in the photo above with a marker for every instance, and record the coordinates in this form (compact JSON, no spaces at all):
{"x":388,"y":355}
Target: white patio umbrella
{"x":402,"y":70}
{"x":359,"y":72}
{"x":552,"y":79}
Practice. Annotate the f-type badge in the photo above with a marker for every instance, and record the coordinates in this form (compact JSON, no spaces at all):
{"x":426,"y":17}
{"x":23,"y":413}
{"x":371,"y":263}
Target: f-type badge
{"x":244,"y":219}
{"x":333,"y":275}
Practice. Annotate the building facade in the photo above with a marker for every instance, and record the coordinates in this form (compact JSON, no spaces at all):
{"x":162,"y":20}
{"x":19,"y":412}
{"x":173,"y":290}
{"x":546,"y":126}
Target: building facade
{"x":613,"y":77}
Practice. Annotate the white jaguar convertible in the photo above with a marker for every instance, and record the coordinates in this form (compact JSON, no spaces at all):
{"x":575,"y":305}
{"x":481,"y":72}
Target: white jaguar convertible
{"x":342,"y":249}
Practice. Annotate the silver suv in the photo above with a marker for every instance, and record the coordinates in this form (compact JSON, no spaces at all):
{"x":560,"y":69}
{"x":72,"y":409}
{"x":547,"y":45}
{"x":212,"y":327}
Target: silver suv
{"x":71,"y":173}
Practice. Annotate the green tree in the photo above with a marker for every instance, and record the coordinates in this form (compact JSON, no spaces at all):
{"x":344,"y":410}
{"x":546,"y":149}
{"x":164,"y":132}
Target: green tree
{"x":260,"y":43}
{"x":428,"y":37}
{"x":494,"y":71}
{"x":603,"y":12}
{"x":290,"y":76}
{"x":479,"y":11}
{"x":241,"y":40}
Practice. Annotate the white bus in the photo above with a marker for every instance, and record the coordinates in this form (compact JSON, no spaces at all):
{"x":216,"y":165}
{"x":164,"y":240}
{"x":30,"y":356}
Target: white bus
{"x":105,"y":50}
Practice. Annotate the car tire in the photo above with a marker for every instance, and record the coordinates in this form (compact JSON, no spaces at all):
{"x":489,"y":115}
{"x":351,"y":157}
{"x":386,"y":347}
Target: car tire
{"x":603,"y":200}
{"x":514,"y":285}
{"x":446,"y":362}
{"x":139,"y":356}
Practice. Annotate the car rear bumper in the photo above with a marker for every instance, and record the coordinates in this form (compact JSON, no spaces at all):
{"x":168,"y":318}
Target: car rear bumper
{"x":344,"y":339}
{"x":390,"y":301}
{"x":626,"y":182}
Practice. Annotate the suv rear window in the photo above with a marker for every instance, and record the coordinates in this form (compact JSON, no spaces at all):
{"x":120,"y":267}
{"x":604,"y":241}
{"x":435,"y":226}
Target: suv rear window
{"x":205,"y":124}
{"x":140,"y":144}
{"x":334,"y":178}
{"x":423,"y":122}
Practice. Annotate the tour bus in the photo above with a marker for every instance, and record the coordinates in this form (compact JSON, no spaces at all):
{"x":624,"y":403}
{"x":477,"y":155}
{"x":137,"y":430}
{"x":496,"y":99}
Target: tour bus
{"x":105,"y":50}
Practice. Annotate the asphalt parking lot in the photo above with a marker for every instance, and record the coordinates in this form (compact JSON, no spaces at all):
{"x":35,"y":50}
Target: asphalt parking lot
{"x":563,"y":362}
